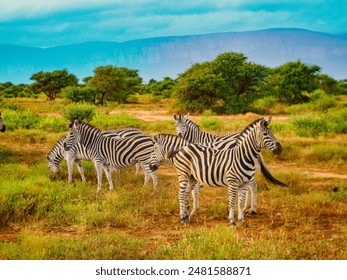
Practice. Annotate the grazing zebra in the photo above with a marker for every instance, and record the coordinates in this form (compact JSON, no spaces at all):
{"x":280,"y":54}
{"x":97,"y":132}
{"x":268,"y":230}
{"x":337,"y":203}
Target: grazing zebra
{"x":75,"y":155}
{"x":2,"y":126}
{"x":107,"y":151}
{"x":233,"y":167}
{"x":79,"y":153}
{"x":191,"y":131}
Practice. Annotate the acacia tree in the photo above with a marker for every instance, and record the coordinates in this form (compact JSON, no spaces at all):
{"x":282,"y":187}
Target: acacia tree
{"x":50,"y":83}
{"x":114,"y":83}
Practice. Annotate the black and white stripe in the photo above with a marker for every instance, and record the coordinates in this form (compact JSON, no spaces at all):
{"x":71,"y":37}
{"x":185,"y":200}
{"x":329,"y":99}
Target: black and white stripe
{"x":233,"y":167}
{"x":79,"y":153}
{"x":192,"y":132}
{"x":107,"y":151}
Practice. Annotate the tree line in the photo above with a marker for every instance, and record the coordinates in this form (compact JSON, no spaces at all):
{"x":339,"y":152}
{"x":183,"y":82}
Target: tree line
{"x":228,"y":84}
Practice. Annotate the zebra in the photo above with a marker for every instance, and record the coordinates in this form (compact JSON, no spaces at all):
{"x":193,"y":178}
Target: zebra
{"x":167,"y":142}
{"x":233,"y":168}
{"x":79,"y":152}
{"x":75,"y":155}
{"x":191,"y":131}
{"x":108,"y":152}
{"x":2,"y":126}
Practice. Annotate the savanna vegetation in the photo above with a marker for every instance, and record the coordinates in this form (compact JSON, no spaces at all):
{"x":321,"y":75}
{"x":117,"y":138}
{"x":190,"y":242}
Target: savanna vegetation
{"x":43,"y":217}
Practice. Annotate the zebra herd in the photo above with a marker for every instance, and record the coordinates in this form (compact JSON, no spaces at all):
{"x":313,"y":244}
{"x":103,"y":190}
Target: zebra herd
{"x":200,"y":158}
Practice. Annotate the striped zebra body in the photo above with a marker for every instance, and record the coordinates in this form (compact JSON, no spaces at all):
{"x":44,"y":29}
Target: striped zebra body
{"x":107,"y":151}
{"x":191,"y":131}
{"x":233,"y":167}
{"x":2,"y":126}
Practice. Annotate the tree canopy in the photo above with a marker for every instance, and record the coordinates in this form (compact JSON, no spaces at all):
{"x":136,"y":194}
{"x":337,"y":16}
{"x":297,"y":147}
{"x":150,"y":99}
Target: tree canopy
{"x":50,"y":83}
{"x":114,"y":83}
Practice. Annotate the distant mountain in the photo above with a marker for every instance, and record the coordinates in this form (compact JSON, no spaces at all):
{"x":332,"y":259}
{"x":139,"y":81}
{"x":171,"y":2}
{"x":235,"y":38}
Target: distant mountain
{"x":169,"y":56}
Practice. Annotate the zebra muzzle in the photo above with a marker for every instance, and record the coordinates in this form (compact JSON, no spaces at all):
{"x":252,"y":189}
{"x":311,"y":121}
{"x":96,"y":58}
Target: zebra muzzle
{"x":66,"y":147}
{"x":278,"y":149}
{"x":153,"y":167}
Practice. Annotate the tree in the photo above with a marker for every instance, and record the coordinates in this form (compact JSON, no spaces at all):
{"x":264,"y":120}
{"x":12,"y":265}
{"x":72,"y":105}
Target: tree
{"x":293,"y":80}
{"x":160,"y":88}
{"x":228,"y":84}
{"x":242,"y":77}
{"x":50,"y":83}
{"x":199,"y":89}
{"x":114,"y":83}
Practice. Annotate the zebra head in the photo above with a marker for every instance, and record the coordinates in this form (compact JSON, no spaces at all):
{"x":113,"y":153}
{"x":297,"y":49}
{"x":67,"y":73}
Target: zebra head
{"x":266,"y":138}
{"x":2,"y":126}
{"x":53,"y":166}
{"x":74,"y":135}
{"x":181,"y":124}
{"x":158,"y":155}
{"x":55,"y":156}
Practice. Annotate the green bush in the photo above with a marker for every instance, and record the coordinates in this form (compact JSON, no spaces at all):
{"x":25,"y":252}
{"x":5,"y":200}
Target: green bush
{"x":20,"y":119}
{"x":80,"y":112}
{"x":313,"y":125}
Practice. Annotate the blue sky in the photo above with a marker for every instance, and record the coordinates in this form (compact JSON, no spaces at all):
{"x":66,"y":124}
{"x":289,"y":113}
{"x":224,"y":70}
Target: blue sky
{"x":45,"y":23}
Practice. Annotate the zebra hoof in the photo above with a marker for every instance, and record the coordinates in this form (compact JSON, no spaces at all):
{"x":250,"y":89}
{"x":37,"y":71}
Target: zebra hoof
{"x":233,"y":224}
{"x":185,"y":220}
{"x":253,"y":212}
{"x":245,"y":225}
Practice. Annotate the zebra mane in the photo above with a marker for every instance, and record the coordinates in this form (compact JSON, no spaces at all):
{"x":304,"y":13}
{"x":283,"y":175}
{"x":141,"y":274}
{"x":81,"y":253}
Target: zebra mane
{"x":85,"y":125}
{"x":248,"y":128}
{"x":192,"y":124}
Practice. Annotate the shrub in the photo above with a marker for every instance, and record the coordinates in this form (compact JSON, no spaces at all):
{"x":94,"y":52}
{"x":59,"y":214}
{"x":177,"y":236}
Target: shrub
{"x":81,"y":112}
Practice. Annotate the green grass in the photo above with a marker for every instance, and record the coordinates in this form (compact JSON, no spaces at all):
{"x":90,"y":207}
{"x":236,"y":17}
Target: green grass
{"x":43,"y":217}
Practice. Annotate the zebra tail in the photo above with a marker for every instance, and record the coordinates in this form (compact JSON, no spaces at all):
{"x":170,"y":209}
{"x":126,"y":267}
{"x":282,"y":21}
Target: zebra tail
{"x":269,"y":177}
{"x":172,"y":153}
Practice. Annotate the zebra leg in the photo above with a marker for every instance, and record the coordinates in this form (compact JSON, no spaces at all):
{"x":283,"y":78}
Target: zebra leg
{"x":232,"y":192}
{"x":98,"y":169}
{"x":253,"y":193}
{"x":251,"y":198}
{"x":195,"y":196}
{"x":242,"y":192}
{"x":80,"y":169}
{"x":70,"y":162}
{"x":107,"y":170}
{"x":182,"y":198}
{"x":150,"y":174}
{"x":138,"y":167}
{"x":154,"y":176}
{"x":117,"y":171}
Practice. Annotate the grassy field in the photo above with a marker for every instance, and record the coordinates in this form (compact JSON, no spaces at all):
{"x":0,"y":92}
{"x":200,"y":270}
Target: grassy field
{"x":42,"y":217}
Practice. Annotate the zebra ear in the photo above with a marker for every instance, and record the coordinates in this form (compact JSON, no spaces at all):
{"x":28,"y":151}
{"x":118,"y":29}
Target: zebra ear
{"x":267,"y":123}
{"x":75,"y":123}
{"x":186,"y":116}
{"x":175,"y":116}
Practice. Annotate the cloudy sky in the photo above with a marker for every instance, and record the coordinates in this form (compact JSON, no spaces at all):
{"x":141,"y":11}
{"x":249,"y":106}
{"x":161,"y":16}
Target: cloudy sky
{"x":45,"y":23}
